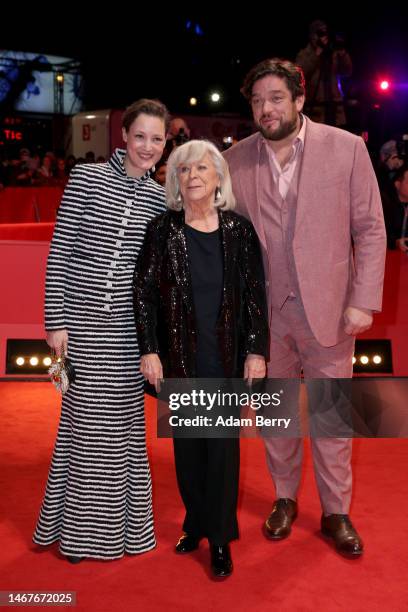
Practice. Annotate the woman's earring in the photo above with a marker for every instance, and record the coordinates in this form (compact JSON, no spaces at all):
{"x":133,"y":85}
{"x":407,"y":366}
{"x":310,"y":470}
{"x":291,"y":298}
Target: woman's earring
{"x":179,"y":198}
{"x":218,"y":194}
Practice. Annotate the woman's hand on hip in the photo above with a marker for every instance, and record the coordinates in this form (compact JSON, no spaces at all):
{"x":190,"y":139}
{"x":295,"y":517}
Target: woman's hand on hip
{"x":58,"y":341}
{"x":254,"y":367}
{"x":152,"y":370}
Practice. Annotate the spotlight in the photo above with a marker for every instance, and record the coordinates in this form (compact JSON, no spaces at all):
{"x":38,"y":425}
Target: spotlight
{"x":193,"y":101}
{"x":354,"y":360}
{"x":27,"y":357}
{"x":373,"y":357}
{"x":215,"y":97}
{"x":384,"y":85}
{"x":47,"y":361}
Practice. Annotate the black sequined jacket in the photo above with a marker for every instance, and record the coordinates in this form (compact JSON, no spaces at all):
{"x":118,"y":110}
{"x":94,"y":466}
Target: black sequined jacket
{"x":163,"y":297}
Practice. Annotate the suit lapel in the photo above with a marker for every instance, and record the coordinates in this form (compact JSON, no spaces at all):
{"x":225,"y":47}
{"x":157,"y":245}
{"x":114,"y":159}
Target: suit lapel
{"x":313,"y":167}
{"x":227,"y":247}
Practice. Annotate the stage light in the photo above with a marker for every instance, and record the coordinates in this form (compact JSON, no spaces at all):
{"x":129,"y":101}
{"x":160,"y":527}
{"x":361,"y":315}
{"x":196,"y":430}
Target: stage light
{"x":215,"y":97}
{"x":373,"y":357}
{"x":193,"y":101}
{"x":384,"y":85}
{"x":28,"y":358}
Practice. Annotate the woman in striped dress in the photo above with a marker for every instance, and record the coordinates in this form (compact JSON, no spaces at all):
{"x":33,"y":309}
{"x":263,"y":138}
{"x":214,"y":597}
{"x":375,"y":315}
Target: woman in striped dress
{"x":98,"y":497}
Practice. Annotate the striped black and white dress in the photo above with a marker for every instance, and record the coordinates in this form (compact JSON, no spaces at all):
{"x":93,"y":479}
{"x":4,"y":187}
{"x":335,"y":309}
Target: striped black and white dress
{"x":98,"y":500}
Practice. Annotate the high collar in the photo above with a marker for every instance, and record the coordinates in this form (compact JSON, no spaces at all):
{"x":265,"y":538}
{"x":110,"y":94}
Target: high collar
{"x":117,"y":164}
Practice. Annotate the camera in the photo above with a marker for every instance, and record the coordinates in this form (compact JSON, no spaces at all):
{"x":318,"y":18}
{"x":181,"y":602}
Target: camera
{"x":181,"y":137}
{"x":227,"y":142}
{"x":330,"y":42}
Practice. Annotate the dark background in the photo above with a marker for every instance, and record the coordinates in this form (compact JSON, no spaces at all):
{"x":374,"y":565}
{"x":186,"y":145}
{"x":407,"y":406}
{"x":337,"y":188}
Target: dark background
{"x":129,"y":51}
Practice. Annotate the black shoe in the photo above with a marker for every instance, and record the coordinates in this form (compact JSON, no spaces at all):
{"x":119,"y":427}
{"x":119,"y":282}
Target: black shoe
{"x":279,"y":523}
{"x":341,"y":530}
{"x":187,"y":544}
{"x":75,"y":559}
{"x":221,"y":562}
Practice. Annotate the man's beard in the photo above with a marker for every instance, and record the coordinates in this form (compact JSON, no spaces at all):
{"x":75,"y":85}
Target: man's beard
{"x":284,"y":130}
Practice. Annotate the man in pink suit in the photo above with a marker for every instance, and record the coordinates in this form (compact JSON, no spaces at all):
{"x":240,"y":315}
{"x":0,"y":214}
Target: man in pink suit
{"x":311,"y":193}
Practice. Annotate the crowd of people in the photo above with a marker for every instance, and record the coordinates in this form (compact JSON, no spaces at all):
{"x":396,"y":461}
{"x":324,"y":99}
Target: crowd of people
{"x":34,"y":170}
{"x":392,"y":175}
{"x":390,"y":164}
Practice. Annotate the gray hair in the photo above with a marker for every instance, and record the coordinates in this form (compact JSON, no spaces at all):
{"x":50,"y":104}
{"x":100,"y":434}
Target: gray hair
{"x":194,"y":151}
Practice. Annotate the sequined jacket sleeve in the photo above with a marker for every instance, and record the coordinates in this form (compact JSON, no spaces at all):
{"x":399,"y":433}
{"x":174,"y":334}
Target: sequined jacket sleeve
{"x":255,"y":311}
{"x":146,"y":288}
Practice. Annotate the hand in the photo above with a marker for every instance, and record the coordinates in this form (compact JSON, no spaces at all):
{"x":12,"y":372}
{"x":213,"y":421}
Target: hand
{"x":357,"y":320}
{"x":58,"y":341}
{"x":401,"y":244}
{"x":254,"y":367}
{"x":152,"y":370}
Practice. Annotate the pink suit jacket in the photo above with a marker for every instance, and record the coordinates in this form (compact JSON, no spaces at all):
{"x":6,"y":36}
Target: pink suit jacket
{"x":338,"y":206}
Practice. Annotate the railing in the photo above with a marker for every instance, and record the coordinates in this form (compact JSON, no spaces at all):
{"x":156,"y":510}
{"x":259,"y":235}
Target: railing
{"x":29,"y":204}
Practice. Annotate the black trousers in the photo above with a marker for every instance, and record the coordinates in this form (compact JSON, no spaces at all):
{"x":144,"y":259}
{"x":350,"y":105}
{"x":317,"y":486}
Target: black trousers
{"x":208,"y":475}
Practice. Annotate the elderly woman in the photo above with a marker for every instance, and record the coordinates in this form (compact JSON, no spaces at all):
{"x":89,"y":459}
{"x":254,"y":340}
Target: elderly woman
{"x":201,"y":312}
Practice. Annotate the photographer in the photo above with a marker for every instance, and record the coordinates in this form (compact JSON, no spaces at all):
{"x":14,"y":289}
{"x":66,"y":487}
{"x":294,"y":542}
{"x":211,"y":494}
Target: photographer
{"x":390,"y":160}
{"x":324,"y":61}
{"x":396,"y":211}
{"x":178,"y":133}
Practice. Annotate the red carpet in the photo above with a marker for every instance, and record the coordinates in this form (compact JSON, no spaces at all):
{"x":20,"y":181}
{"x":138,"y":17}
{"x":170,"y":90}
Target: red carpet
{"x":300,"y":574}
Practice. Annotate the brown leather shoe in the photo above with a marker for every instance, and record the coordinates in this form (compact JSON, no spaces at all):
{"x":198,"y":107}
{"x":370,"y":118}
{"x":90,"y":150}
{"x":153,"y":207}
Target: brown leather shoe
{"x":340,"y":528}
{"x":279,"y":523}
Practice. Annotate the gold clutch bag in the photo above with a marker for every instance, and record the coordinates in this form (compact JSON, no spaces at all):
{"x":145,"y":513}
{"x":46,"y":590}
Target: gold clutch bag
{"x":62,"y":373}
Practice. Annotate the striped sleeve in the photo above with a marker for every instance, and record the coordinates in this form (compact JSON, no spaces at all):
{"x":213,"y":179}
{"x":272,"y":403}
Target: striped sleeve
{"x":66,"y":228}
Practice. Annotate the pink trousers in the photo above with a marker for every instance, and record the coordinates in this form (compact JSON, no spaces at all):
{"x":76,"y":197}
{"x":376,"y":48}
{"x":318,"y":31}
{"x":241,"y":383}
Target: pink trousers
{"x":293,"y":348}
